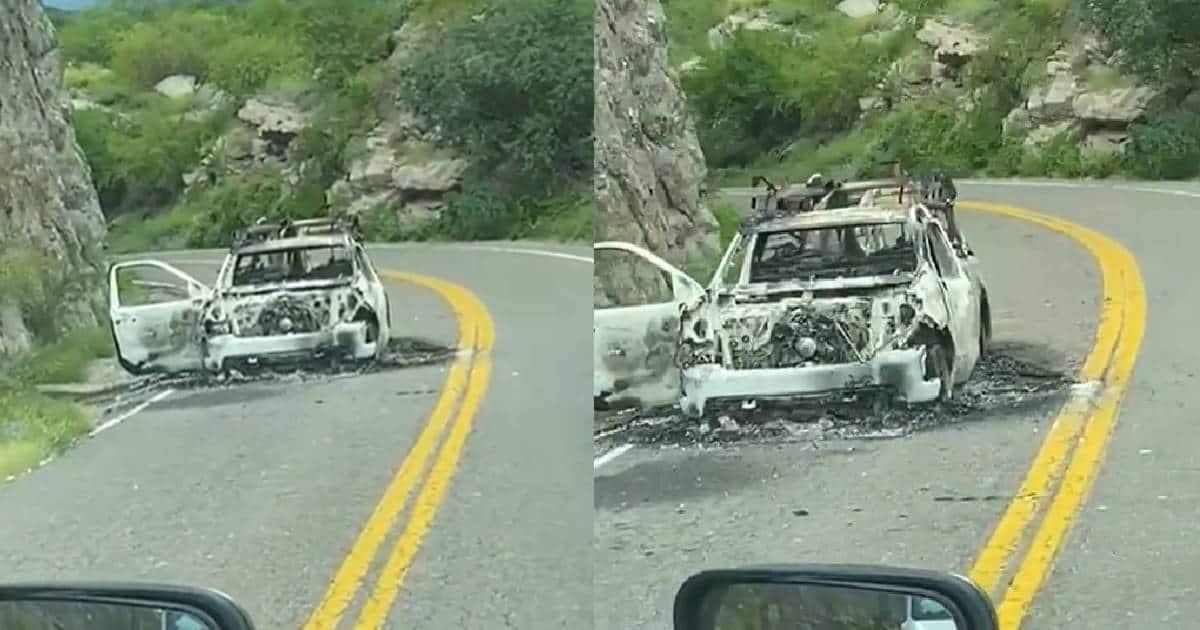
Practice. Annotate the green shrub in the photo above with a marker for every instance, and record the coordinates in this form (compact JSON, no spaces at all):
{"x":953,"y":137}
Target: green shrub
{"x":936,"y":134}
{"x":1159,"y":37}
{"x":515,"y":88}
{"x":566,"y":218}
{"x":246,"y":63}
{"x":235,"y":203}
{"x":39,"y":288}
{"x":1166,"y":146}
{"x":382,"y":224}
{"x":339,"y":35}
{"x":92,"y":35}
{"x":179,"y":43}
{"x":729,"y":221}
{"x":33,"y":426}
{"x":480,"y":211}
{"x":1061,"y":157}
{"x":1006,"y":161}
{"x":148,"y":156}
{"x":93,"y":128}
{"x":761,"y":89}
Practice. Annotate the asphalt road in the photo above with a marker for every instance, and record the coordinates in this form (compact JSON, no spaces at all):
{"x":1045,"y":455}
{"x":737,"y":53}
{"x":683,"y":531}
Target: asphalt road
{"x":260,"y":490}
{"x":933,"y":499}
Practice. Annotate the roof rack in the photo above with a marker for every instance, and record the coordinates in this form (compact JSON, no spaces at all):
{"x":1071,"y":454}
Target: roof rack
{"x":818,"y":193}
{"x":263,"y":231}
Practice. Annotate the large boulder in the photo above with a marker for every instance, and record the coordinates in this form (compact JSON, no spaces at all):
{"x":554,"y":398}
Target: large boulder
{"x":48,"y":206}
{"x":952,"y":44}
{"x":1121,"y":106}
{"x":177,"y":86}
{"x":399,"y":166}
{"x":858,"y":8}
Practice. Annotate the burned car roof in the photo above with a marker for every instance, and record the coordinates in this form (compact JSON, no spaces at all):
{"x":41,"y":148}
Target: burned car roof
{"x":834,"y":218}
{"x":296,"y":242}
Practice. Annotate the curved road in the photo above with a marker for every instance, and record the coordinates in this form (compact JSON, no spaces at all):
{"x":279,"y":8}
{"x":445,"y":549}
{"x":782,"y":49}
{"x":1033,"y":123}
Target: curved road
{"x":261,"y":490}
{"x":934,"y":499}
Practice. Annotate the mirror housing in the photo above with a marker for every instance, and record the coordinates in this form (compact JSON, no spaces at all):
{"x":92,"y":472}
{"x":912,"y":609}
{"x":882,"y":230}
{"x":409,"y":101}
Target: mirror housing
{"x":78,"y":606}
{"x":968,"y":606}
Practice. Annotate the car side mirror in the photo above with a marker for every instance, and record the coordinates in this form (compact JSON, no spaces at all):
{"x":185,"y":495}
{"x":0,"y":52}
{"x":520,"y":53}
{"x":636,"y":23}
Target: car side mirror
{"x":118,"y":607}
{"x":853,"y":597}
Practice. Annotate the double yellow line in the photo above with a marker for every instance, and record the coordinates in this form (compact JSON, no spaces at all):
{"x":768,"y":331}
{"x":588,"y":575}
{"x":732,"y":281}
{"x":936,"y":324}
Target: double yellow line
{"x":1079,"y":436}
{"x":461,"y":395}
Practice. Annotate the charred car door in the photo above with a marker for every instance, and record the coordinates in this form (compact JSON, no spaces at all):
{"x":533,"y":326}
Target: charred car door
{"x":155,"y":311}
{"x":638,"y":298}
{"x":962,"y":300}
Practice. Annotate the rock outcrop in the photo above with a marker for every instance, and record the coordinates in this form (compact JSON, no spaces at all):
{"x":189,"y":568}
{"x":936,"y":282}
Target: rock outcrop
{"x":1082,"y":97}
{"x":48,"y":205}
{"x":399,"y":165}
{"x":649,"y":167}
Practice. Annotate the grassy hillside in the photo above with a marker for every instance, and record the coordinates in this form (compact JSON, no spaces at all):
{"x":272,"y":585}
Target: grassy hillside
{"x":330,"y":58}
{"x":784,"y":100}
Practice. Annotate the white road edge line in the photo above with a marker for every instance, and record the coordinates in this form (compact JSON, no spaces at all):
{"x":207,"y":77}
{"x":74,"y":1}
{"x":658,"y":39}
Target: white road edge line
{"x":1092,"y":185}
{"x":112,"y":422}
{"x":610,"y":455}
{"x":528,"y":251}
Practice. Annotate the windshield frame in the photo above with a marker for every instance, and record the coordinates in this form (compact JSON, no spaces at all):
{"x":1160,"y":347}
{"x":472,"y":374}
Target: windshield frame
{"x":751,"y":245}
{"x":229,"y":268}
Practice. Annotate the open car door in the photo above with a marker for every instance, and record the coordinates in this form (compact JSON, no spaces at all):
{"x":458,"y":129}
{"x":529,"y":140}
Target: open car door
{"x":638,"y":298}
{"x":155,"y":310}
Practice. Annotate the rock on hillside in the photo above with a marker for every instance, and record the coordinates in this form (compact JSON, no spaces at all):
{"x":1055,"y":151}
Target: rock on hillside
{"x":648,"y":163}
{"x":47,"y":202}
{"x":398,"y":163}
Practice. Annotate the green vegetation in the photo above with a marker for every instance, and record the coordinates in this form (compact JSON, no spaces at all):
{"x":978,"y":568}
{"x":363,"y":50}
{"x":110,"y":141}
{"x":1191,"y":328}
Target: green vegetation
{"x":33,"y":426}
{"x":773,"y":103}
{"x":520,"y":106}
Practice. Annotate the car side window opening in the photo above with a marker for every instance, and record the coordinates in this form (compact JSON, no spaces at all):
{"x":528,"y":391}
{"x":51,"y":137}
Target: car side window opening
{"x":630,"y":281}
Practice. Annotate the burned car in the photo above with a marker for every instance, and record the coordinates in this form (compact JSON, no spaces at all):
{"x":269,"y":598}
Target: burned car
{"x":285,"y":293}
{"x":817,"y":303}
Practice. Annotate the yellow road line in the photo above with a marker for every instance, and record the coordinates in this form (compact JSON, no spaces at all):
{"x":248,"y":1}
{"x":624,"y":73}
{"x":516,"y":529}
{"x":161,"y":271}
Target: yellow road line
{"x":473,"y":320}
{"x":1118,"y":337}
{"x":391,"y":578}
{"x":1088,"y":457}
{"x":994,"y":558}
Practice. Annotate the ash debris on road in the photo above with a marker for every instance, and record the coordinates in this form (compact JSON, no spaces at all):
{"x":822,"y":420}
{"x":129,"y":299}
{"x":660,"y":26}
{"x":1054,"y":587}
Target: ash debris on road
{"x":402,"y":353}
{"x":1000,"y":381}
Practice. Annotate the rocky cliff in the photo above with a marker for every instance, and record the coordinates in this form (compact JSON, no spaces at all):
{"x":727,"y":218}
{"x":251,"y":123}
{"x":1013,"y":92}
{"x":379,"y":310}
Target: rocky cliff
{"x":648,"y":163}
{"x":51,"y":227}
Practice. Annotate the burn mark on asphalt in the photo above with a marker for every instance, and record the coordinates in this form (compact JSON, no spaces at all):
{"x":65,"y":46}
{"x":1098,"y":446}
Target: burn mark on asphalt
{"x":403,"y":353}
{"x":1012,"y":377}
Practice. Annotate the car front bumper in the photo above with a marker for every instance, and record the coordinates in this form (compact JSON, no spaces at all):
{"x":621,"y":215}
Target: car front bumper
{"x":347,"y":339}
{"x":899,"y":370}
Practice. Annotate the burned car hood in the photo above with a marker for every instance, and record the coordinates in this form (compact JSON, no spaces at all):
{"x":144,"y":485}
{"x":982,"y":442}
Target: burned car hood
{"x":280,"y":309}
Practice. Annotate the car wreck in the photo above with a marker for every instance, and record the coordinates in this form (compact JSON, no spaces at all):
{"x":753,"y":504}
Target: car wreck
{"x":285,"y":293}
{"x":823,"y":294}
